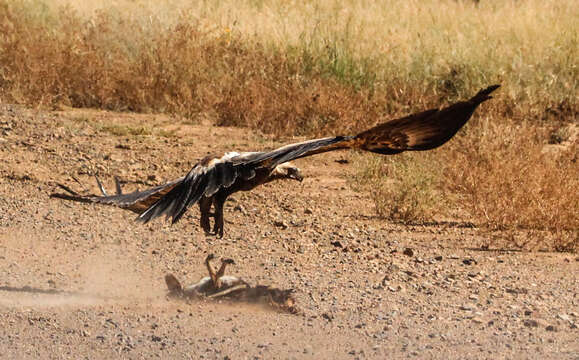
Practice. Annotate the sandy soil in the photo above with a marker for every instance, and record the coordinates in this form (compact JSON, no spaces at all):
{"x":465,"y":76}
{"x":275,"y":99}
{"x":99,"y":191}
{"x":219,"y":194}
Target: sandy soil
{"x":86,"y":281}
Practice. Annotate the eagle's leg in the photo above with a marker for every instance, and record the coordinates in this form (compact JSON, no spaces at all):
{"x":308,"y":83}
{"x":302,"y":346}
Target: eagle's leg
{"x":205,"y":207}
{"x":221,"y":271}
{"x":218,"y":201}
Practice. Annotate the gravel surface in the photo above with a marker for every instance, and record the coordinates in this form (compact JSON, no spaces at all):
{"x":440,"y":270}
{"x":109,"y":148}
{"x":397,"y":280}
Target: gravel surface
{"x":86,"y":281}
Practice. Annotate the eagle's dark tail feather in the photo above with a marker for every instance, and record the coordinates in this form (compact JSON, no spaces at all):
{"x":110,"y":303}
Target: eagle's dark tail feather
{"x":74,"y":196}
{"x":136,"y":201}
{"x":422,"y":131}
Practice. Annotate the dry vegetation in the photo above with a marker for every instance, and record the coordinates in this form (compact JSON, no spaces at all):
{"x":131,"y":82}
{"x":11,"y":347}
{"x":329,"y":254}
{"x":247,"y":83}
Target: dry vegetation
{"x":319,"y":67}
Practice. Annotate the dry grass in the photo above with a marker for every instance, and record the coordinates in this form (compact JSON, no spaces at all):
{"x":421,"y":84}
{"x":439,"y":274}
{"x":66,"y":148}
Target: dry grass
{"x":508,"y":182}
{"x":405,"y":188}
{"x":497,"y":175}
{"x":328,"y":66}
{"x":187,"y":58}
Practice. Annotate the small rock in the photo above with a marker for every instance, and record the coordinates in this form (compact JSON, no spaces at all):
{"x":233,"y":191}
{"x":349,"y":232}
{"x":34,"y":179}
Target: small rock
{"x":531,"y":323}
{"x":327,"y":316}
{"x":563,"y":317}
{"x":469,"y":261}
{"x":280,"y":224}
{"x":528,"y":312}
{"x":477,"y":320}
{"x":550,"y":328}
{"x":408,"y":252}
{"x":308,"y":211}
{"x":516,"y":290}
{"x":438,"y":258}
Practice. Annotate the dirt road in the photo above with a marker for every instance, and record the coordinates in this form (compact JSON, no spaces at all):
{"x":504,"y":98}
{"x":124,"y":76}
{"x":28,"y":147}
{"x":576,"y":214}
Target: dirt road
{"x":86,"y":281}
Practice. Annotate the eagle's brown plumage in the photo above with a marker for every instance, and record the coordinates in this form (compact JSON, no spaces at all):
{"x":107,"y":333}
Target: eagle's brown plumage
{"x":213,"y":179}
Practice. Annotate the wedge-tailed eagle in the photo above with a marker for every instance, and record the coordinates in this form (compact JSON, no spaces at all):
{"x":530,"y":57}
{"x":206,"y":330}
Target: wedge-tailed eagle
{"x":214,"y":178}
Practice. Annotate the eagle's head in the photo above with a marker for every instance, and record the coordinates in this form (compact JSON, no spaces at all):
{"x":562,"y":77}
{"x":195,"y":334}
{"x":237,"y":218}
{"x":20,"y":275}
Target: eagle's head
{"x":287,"y":170}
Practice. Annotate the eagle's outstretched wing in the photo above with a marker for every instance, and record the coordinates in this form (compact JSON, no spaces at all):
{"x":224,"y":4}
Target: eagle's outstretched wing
{"x":421,"y":131}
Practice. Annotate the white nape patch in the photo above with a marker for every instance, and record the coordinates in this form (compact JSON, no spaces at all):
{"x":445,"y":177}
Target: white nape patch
{"x":229,"y":155}
{"x":244,"y":155}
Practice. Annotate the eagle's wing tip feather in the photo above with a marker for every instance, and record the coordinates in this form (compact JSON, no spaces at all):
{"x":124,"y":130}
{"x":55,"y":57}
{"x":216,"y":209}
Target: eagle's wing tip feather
{"x":484,"y":94}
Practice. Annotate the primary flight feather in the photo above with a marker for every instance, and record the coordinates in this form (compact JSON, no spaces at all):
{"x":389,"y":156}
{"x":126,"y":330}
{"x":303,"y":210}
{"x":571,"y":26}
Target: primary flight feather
{"x":213,"y":178}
